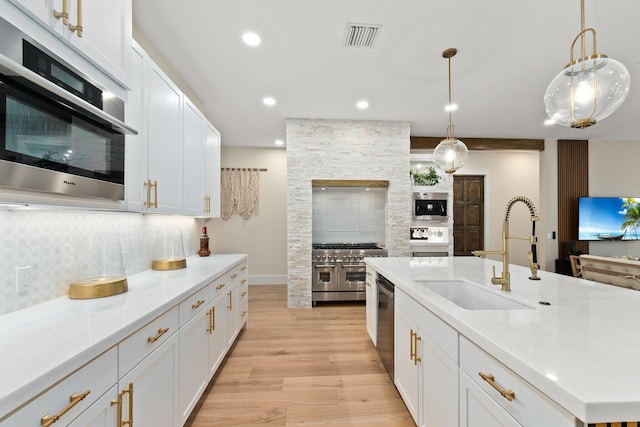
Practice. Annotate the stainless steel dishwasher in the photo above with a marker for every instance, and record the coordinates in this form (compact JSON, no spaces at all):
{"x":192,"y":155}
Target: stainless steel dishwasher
{"x":385,"y":322}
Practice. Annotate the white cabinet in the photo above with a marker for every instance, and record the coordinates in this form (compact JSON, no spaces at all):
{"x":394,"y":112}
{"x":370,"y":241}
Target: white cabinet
{"x":372,"y":305}
{"x":217,"y":333}
{"x":406,"y":372}
{"x":103,"y":413}
{"x":154,"y":157}
{"x":212,"y":171}
{"x":164,"y":130}
{"x":71,"y":397}
{"x":506,"y":390}
{"x":477,"y":409}
{"x":105,"y":35}
{"x":150,"y":390}
{"x":426,"y":369}
{"x":195,"y":202}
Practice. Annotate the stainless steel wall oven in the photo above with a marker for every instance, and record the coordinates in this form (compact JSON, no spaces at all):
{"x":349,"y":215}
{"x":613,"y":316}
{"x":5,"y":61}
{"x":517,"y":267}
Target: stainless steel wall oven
{"x":58,"y":133}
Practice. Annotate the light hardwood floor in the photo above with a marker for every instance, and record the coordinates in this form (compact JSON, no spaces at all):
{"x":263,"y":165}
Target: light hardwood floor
{"x":301,"y":367}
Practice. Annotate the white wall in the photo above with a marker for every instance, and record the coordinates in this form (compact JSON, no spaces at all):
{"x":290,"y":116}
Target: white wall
{"x":509,"y":174}
{"x":342,"y":149}
{"x":262,"y":237}
{"x":613,"y":172}
{"x":48,"y":240}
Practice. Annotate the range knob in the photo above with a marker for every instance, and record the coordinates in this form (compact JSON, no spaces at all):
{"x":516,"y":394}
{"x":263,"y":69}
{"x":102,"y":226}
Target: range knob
{"x":324,"y":257}
{"x":361,"y":257}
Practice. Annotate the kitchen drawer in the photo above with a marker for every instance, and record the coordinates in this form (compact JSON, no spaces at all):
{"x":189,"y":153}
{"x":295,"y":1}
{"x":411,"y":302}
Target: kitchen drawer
{"x":193,"y":305}
{"x":244,"y":311}
{"x":243,"y":289}
{"x":529,"y":406}
{"x":96,"y":377}
{"x":440,"y":332}
{"x":217,"y":286}
{"x":238,"y":273}
{"x":138,"y":345}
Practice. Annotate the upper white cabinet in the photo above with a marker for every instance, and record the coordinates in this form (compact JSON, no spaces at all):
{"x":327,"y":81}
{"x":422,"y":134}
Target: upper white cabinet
{"x":99,"y":30}
{"x":173,"y":164}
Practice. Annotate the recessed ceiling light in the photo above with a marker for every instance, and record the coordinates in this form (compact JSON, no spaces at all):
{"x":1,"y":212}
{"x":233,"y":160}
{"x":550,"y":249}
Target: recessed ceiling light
{"x":451,"y":107}
{"x":269,"y":101}
{"x":251,"y":39}
{"x":362,"y":105}
{"x":549,"y":122}
{"x":279,"y":142}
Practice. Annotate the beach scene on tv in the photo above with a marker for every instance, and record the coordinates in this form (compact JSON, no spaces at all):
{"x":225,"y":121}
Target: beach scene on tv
{"x":609,"y":218}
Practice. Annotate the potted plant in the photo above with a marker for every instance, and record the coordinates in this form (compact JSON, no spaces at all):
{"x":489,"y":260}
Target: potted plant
{"x":429,"y":177}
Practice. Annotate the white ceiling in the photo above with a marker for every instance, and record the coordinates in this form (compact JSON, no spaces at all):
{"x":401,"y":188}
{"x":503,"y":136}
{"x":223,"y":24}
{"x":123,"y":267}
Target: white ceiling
{"x":508,"y":51}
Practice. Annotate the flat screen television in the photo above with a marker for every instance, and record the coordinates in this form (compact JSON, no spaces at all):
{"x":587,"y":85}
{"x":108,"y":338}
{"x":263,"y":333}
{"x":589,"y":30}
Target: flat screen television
{"x":608,"y":218}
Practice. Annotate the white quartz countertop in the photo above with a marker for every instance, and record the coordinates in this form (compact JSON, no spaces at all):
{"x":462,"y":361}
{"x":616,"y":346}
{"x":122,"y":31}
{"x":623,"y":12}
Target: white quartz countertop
{"x":582,"y":350}
{"x":42,"y":344}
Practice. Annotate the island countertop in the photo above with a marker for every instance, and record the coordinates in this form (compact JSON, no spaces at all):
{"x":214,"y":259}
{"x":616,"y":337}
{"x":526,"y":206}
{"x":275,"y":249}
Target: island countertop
{"x":582,"y":350}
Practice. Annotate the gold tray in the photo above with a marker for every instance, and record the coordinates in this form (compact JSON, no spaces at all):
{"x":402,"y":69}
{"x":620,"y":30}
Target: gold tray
{"x":169,"y":264}
{"x":98,"y":287}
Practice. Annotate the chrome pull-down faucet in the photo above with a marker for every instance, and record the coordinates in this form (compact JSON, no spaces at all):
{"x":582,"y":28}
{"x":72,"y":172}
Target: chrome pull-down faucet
{"x":505,"y":278}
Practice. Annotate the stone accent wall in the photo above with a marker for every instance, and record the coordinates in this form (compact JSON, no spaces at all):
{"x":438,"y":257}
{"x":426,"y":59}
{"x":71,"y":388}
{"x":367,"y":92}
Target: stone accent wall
{"x":342,"y":149}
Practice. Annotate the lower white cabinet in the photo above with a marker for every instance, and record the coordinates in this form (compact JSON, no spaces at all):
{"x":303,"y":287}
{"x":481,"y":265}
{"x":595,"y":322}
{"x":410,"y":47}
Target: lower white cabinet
{"x":149,"y":392}
{"x":103,"y":413}
{"x":216,"y":333}
{"x":194,"y":363}
{"x":372,"y":305}
{"x":426,"y":369}
{"x":477,"y":409}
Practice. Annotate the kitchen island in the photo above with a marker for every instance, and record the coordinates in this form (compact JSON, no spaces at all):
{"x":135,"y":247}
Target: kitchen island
{"x":573,"y":341}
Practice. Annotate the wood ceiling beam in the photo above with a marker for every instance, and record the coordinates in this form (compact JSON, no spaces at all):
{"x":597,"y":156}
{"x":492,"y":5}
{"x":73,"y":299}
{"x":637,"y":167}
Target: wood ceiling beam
{"x":430,"y":142}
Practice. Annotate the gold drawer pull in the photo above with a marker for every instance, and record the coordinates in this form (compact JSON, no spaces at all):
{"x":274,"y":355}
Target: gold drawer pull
{"x":416,"y":359}
{"x":243,"y":281}
{"x":220,"y":286}
{"x":74,"y":399}
{"x":243,"y":294}
{"x":212,"y":320}
{"x":161,"y":332}
{"x":64,"y":14}
{"x":198,"y":304}
{"x":243,"y":268}
{"x":244,"y":313}
{"x":234,"y":275}
{"x":507,"y":394}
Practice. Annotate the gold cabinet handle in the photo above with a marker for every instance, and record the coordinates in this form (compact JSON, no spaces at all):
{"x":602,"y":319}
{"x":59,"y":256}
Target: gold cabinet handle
{"x":129,"y":391}
{"x":212,"y":320}
{"x":233,"y":276}
{"x":412,"y":352}
{"x":147,"y":185}
{"x":416,"y":359}
{"x":64,"y":14}
{"x":198,"y":304}
{"x":244,"y":313}
{"x":161,"y":332}
{"x":78,"y":27}
{"x":74,"y":399}
{"x":243,"y":268}
{"x":230,"y":300}
{"x":507,"y":394}
{"x":220,"y":286}
{"x":118,"y":402}
{"x":155,"y":194}
{"x":243,"y":293}
{"x":368,"y":273}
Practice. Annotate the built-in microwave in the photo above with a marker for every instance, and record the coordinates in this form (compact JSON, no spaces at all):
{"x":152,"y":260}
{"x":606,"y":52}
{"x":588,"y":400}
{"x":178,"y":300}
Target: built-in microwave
{"x":429,"y":206}
{"x":56,"y":133}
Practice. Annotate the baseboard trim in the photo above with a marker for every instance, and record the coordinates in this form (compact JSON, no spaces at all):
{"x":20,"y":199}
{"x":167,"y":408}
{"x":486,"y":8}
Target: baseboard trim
{"x":268,"y":280}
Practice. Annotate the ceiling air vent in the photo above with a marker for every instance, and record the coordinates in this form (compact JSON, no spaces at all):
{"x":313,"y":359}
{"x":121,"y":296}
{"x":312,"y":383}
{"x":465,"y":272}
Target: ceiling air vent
{"x":361,"y":35}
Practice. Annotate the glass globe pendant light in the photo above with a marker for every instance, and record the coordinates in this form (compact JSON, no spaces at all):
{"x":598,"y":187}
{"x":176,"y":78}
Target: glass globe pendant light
{"x":589,"y":88}
{"x":451,"y":153}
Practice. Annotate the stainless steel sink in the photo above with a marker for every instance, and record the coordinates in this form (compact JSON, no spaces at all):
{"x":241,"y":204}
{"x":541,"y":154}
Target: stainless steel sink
{"x":471,"y":296}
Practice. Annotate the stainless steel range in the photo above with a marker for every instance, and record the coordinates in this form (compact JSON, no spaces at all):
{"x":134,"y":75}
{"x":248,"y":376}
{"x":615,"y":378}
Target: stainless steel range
{"x":339,"y":270}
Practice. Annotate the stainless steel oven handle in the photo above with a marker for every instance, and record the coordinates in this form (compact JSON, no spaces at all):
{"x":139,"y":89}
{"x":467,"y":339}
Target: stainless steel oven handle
{"x":324,"y":266}
{"x":353,"y":266}
{"x":9,"y":67}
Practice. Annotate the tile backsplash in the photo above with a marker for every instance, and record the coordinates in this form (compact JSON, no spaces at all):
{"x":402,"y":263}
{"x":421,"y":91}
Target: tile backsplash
{"x":49,"y":242}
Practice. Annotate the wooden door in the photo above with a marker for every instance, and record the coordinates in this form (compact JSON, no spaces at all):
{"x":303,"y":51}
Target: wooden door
{"x":468,"y":214}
